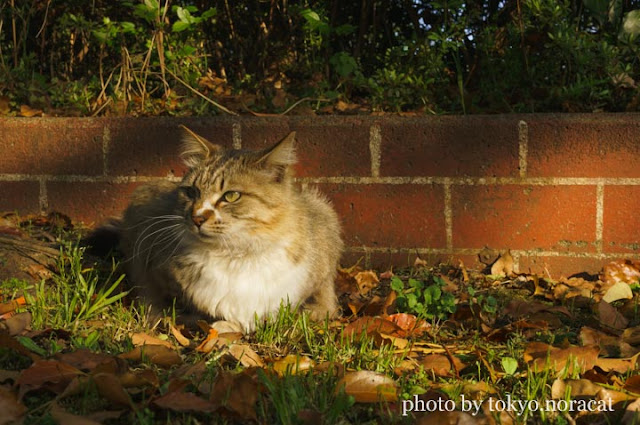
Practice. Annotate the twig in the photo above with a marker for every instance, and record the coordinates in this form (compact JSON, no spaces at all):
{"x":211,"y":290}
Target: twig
{"x":286,"y":111}
{"x":213,"y":102}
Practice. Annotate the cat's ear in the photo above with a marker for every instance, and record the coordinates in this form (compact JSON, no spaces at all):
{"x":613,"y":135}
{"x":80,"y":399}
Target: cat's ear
{"x":196,"y":148}
{"x":279,"y":157}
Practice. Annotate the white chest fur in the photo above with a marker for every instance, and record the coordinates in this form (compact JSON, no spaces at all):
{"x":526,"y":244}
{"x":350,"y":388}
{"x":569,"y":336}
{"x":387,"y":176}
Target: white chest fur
{"x":236,"y":289}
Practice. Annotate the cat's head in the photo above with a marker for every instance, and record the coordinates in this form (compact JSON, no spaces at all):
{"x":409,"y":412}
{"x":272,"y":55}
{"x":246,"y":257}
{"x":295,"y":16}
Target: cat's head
{"x":233,"y":196}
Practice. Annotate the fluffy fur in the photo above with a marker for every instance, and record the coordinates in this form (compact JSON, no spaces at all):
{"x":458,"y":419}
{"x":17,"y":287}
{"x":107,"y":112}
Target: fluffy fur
{"x":235,"y":238}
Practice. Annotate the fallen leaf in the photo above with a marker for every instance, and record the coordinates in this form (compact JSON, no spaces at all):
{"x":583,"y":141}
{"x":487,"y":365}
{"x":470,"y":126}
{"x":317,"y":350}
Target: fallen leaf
{"x":539,"y":356}
{"x":369,"y":326}
{"x":28,"y":111}
{"x":625,"y":271}
{"x":177,"y":334}
{"x":449,"y":417}
{"x":632,"y":384}
{"x":631,"y":413}
{"x":409,"y":323}
{"x":209,"y":343}
{"x":156,"y":354}
{"x":292,"y":364}
{"x":141,"y":338}
{"x":83,"y":359}
{"x":617,"y":365}
{"x":610,"y":317}
{"x":110,"y":387}
{"x":245,"y":355}
{"x":17,"y":323}
{"x":503,"y":266}
{"x":183,"y":401}
{"x":366,"y":280}
{"x":63,"y":417}
{"x":4,"y":105}
{"x":12,"y":305}
{"x":50,"y":373}
{"x":12,"y":410}
{"x":369,"y":387}
{"x":577,"y":388}
{"x":619,"y":291}
{"x":440,"y":365}
{"x":238,"y":392}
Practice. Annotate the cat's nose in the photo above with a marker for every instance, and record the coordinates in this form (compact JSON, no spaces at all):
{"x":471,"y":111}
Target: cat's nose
{"x":198,"y":219}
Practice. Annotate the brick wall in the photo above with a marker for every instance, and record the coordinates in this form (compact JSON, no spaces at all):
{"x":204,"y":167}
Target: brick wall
{"x":561,"y":191}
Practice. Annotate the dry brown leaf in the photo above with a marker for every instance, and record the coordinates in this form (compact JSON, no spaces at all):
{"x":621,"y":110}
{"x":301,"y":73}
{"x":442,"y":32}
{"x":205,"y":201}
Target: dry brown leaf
{"x":237,"y":392}
{"x":420,"y":263}
{"x":611,"y":397}
{"x":292,"y":364}
{"x":12,"y":305}
{"x":63,"y":417}
{"x":18,"y":323}
{"x":46,"y":372}
{"x":440,"y":365}
{"x":577,"y":388}
{"x":366,"y":280}
{"x":370,"y":326}
{"x":110,"y":387}
{"x":28,"y":111}
{"x":539,"y":356}
{"x":209,"y":343}
{"x":369,"y":387}
{"x":521,"y":308}
{"x":245,"y":355}
{"x":182,"y":401}
{"x":83,"y":359}
{"x":409,"y":323}
{"x":632,"y":384}
{"x":139,"y":339}
{"x":626,"y":271}
{"x":632,"y":413}
{"x":177,"y":334}
{"x":619,"y":291}
{"x":503,"y":266}
{"x":4,"y":105}
{"x":610,"y":346}
{"x":12,"y":410}
{"x":156,"y":354}
{"x":610,"y":317}
{"x":139,"y":378}
{"x":617,"y":365}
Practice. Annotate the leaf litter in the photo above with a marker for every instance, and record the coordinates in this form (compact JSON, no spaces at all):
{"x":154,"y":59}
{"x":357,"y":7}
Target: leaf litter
{"x":581,"y":335}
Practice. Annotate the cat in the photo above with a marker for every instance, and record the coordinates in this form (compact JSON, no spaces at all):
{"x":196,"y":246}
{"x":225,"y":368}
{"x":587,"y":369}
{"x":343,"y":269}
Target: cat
{"x":234,"y":239}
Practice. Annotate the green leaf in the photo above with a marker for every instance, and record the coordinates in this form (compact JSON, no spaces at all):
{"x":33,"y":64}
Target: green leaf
{"x":28,"y":342}
{"x":509,"y":365}
{"x":179,"y":26}
{"x":396,"y":284}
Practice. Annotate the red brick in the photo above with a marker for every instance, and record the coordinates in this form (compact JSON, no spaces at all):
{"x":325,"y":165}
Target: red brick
{"x":51,"y":146}
{"x":561,"y":218}
{"x":325,"y":147}
{"x":560,"y":266}
{"x":151,"y":146}
{"x":398,"y":216}
{"x":90,"y":203}
{"x":584,"y":146}
{"x":21,"y":197}
{"x":383,"y":261}
{"x":450,"y":146}
{"x":621,"y":220}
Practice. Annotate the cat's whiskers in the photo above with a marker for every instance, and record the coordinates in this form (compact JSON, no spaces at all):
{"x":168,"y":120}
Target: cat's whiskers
{"x":179,"y":238}
{"x":139,"y":242}
{"x":169,"y":238}
{"x":167,"y":217}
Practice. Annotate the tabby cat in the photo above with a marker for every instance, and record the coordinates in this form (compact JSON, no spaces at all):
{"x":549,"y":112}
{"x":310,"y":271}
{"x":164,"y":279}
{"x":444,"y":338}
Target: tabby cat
{"x":235,"y":238}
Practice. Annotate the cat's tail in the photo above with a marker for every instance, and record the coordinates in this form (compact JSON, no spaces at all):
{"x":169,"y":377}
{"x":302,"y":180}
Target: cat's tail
{"x":104,"y":239}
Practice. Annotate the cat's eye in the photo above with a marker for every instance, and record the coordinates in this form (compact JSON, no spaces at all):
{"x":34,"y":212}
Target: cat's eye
{"x":190,"y":191}
{"x":231,"y":196}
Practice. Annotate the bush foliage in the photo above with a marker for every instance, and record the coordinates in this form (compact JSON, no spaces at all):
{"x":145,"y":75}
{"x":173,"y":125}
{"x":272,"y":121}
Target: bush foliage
{"x":181,"y":57}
